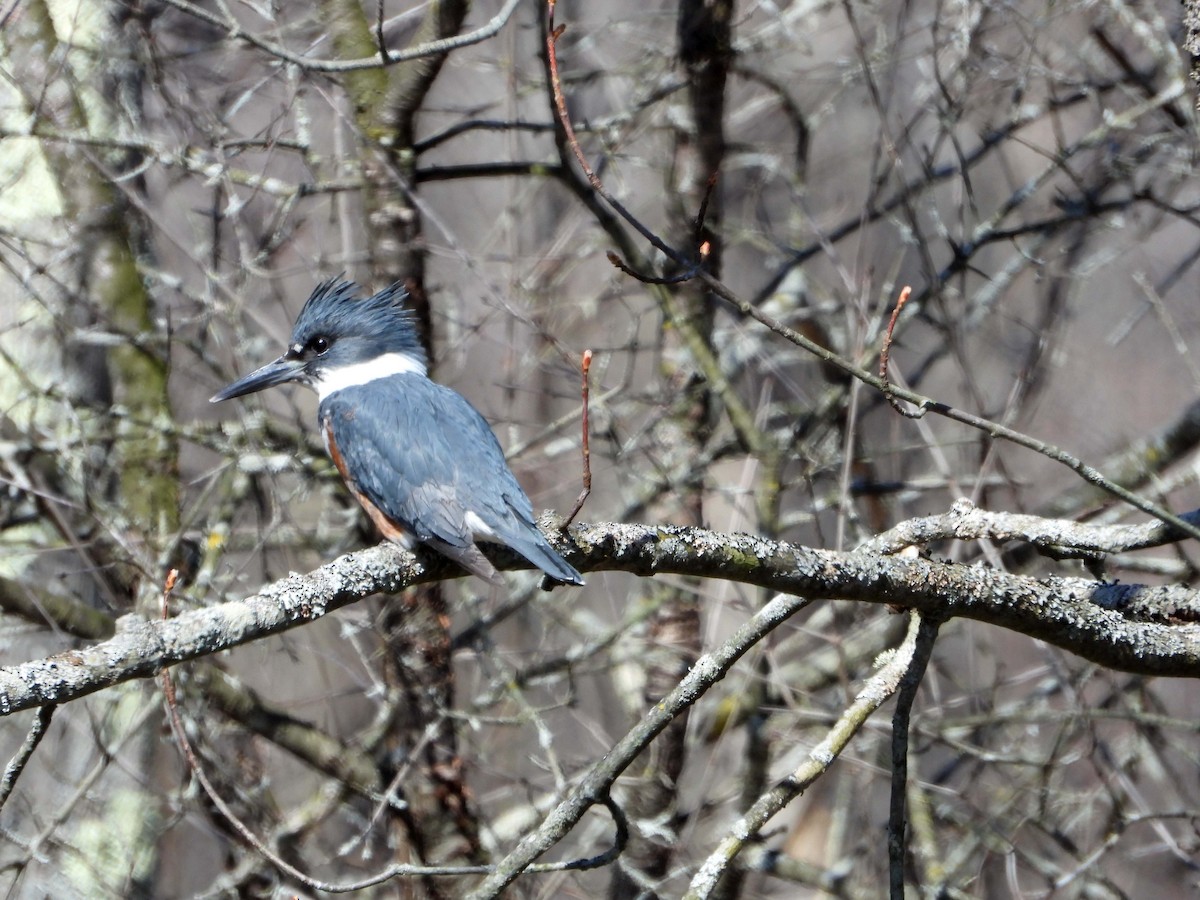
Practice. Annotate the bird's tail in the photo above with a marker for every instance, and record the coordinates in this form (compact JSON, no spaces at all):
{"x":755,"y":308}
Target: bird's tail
{"x":546,"y":558}
{"x":471,"y":559}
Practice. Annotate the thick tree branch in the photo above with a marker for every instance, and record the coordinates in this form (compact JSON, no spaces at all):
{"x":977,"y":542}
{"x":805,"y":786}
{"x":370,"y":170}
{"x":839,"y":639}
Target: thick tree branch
{"x":1138,"y":628}
{"x":1063,"y":537}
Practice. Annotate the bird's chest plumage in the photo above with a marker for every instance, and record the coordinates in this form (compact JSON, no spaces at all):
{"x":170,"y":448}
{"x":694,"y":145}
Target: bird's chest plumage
{"x":331,"y":447}
{"x":337,"y":427}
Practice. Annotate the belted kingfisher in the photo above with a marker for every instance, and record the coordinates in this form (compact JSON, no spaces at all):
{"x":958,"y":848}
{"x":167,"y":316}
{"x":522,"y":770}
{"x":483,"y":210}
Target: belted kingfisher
{"x":422,"y":462}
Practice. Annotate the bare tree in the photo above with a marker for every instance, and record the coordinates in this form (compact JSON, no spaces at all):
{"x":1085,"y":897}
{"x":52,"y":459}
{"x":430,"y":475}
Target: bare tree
{"x":888,"y":406}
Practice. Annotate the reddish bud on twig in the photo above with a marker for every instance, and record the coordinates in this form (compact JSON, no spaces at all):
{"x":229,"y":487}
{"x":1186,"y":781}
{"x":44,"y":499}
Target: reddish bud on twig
{"x":905,"y":293}
{"x":168,"y":585}
{"x":587,"y":453}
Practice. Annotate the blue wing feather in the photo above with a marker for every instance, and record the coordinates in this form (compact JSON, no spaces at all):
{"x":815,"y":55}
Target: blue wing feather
{"x":426,"y":459}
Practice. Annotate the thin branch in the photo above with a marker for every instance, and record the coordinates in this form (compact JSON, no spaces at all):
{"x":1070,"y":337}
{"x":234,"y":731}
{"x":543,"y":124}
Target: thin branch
{"x":743,"y":422}
{"x":884,"y":357}
{"x":501,"y":169}
{"x":915,"y":671}
{"x":384,"y":58}
{"x":1055,"y":537}
{"x":379,"y":39}
{"x":698,"y":226}
{"x":586,"y":451}
{"x":995,"y":429}
{"x":594,"y":786}
{"x":923,"y":403}
{"x":560,"y":103}
{"x":679,"y":278}
{"x":185,"y":747}
{"x":262,"y":849}
{"x":880,"y":686}
{"x":16,"y":765}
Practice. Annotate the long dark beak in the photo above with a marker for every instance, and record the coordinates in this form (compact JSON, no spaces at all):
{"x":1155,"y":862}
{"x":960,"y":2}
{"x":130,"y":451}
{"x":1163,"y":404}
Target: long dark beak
{"x":280,"y":371}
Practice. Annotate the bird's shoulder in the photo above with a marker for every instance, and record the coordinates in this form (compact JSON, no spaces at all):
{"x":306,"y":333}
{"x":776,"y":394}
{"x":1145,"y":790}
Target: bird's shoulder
{"x":400,"y":395}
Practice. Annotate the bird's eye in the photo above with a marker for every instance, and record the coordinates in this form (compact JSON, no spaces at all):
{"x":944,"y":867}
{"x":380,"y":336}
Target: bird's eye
{"x":319,"y":344}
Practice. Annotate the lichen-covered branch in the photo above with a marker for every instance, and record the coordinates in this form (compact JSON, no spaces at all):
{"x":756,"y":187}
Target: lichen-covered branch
{"x":874,"y":693}
{"x":1137,"y":628}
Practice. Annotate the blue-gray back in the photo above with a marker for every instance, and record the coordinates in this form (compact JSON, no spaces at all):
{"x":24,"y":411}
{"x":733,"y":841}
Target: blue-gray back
{"x":422,"y":454}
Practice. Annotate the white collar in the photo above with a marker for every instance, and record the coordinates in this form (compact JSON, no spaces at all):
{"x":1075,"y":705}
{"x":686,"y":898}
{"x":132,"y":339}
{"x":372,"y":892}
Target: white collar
{"x":334,"y":380}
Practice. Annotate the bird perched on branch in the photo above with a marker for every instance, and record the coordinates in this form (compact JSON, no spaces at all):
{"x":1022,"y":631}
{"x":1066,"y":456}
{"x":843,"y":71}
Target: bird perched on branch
{"x":422,"y":462}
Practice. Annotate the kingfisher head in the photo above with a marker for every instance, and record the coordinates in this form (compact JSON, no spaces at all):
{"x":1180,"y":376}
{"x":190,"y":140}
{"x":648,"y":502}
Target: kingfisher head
{"x":342,"y":339}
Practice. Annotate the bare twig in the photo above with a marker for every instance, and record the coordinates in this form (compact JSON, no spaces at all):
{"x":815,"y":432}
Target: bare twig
{"x":918,"y":413}
{"x":560,"y":104}
{"x":703,"y":214}
{"x":915,"y":671}
{"x":16,"y":765}
{"x":690,"y":271}
{"x":921,"y":402}
{"x":995,"y":429}
{"x":743,"y":422}
{"x":198,"y":773}
{"x":385,"y":58}
{"x":189,"y":755}
{"x":686,"y":275}
{"x":587,"y":453}
{"x":383,"y":54}
{"x":594,"y":786}
{"x":880,"y":686}
{"x":703,"y":247}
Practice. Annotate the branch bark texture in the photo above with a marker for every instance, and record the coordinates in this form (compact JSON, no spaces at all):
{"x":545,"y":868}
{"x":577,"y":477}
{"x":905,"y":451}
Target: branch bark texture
{"x":1137,"y":628}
